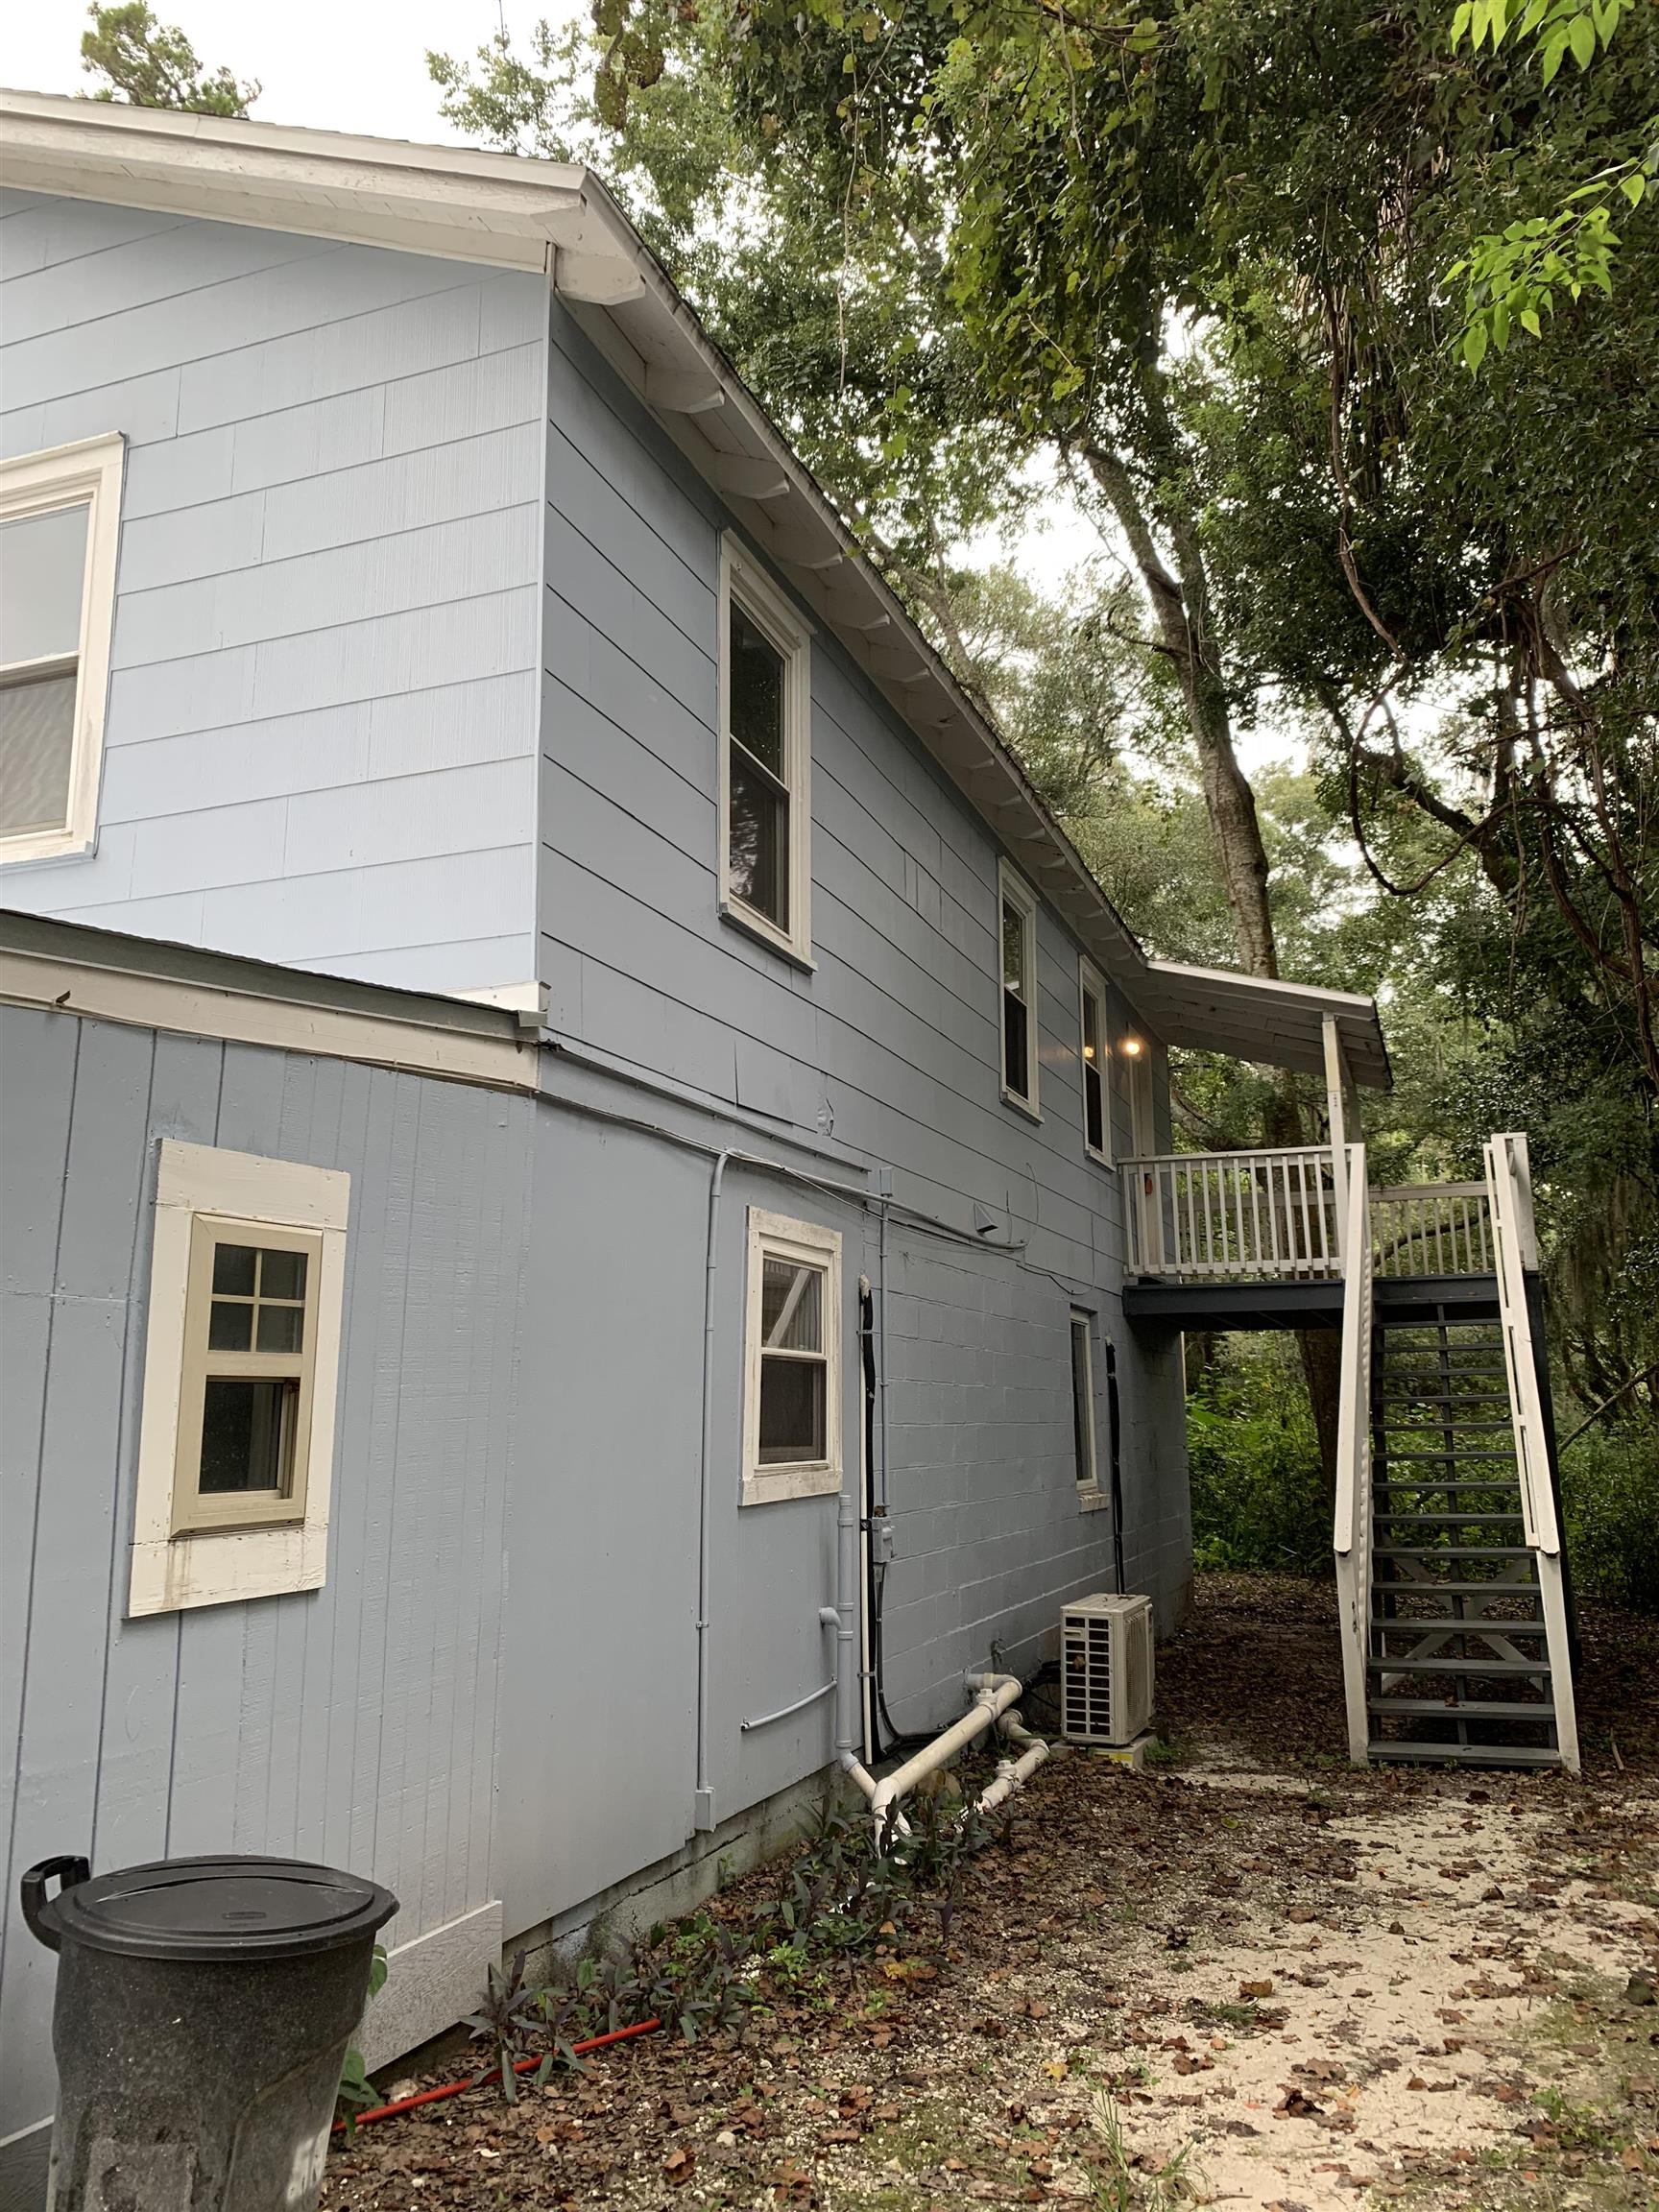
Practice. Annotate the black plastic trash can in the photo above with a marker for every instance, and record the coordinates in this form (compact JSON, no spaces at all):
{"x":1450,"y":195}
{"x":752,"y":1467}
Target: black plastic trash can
{"x":203,"y":2008}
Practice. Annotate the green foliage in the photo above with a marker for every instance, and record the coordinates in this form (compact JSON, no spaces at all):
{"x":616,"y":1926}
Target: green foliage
{"x":1511,"y":275}
{"x":1258,"y":1497}
{"x":356,"y":2092}
{"x":839,"y":1903}
{"x":152,"y":65}
{"x":1610,"y":1503}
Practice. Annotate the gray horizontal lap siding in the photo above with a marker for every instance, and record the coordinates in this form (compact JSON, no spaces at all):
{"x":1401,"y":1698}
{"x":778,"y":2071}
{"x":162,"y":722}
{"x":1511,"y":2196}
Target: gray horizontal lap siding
{"x":355,"y":1723}
{"x":891,"y":1048}
{"x":321,"y":741}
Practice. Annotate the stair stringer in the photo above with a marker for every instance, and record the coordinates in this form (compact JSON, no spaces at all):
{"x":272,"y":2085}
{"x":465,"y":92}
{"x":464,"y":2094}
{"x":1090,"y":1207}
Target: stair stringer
{"x":1509,"y":1190}
{"x":1351,"y":1532}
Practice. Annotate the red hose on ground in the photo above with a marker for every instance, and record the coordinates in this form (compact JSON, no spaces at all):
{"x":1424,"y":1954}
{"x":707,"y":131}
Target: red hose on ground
{"x":483,"y":2080}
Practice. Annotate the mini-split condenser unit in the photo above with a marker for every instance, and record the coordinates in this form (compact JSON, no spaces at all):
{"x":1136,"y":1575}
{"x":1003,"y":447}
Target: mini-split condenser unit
{"x":1105,"y":1669}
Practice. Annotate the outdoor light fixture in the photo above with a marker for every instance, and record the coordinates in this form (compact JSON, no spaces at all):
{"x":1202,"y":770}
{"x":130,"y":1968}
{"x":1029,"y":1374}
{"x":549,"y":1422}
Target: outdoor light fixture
{"x":1133,"y":1048}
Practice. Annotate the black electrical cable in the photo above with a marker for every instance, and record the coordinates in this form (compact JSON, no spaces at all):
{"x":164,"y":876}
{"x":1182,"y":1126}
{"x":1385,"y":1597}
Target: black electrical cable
{"x":877,"y":1714}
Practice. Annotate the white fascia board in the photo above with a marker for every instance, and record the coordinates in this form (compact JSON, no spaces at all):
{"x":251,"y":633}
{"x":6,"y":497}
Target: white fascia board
{"x":491,"y":208}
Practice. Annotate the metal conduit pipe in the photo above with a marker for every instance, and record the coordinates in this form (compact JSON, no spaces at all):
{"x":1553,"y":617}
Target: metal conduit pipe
{"x":849,"y":1734}
{"x":703,"y":1801}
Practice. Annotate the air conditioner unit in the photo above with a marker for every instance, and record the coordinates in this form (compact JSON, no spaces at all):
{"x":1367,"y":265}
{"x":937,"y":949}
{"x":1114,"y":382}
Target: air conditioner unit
{"x":1105,"y":1669}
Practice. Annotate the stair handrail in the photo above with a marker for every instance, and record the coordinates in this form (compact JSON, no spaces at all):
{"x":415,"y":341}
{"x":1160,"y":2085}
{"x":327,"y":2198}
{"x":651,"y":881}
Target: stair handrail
{"x":1514,"y":1235}
{"x":1351,"y":1530}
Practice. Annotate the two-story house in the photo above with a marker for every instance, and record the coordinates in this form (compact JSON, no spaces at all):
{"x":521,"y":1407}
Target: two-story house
{"x":552,"y":1062}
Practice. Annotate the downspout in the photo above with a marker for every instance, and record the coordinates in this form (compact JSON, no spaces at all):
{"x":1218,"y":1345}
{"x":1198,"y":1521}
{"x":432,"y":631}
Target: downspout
{"x":702,"y":1799}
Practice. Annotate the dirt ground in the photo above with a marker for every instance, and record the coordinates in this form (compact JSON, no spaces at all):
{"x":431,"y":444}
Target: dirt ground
{"x":1249,"y":1977}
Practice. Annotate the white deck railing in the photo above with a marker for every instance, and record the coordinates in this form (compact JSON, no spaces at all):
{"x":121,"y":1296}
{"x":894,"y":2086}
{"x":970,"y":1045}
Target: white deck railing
{"x":1515,"y":1242}
{"x":1235,"y":1216}
{"x":1432,"y":1229}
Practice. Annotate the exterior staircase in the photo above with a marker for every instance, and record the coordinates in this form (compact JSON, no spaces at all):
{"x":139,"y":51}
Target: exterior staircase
{"x":1452,"y":1585}
{"x":1458,"y":1646}
{"x":1457,"y":1639}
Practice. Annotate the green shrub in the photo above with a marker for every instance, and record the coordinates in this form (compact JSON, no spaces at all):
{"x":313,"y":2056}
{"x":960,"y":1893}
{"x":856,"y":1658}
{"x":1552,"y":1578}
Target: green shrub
{"x":1257,"y":1494}
{"x":1610,"y":1503}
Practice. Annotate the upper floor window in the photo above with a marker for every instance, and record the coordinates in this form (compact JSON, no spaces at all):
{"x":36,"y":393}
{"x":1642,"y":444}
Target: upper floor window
{"x":59,"y":515}
{"x":765,"y":757}
{"x":1018,"y":911}
{"x":1092,"y":1043}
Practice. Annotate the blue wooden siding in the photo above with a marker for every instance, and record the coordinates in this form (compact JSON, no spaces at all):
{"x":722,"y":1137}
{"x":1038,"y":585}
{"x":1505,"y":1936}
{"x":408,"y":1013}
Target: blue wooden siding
{"x":320,"y":743}
{"x":889,"y":1051}
{"x":354,"y":1724}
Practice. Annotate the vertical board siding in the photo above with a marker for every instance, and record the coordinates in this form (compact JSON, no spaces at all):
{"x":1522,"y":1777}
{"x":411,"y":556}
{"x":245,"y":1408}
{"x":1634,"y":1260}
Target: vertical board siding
{"x":891,"y":1047}
{"x":357,"y":1722}
{"x":322,"y":714}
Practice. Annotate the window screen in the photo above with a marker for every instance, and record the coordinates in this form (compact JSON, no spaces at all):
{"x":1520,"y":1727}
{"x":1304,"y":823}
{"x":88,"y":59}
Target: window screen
{"x":794,"y":1367}
{"x":759,"y":798}
{"x":1016,"y":996}
{"x":1082,"y":1399}
{"x":42,"y":580}
{"x":1093,"y":1073}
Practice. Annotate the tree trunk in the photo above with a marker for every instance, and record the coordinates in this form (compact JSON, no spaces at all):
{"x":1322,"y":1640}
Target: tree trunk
{"x":1179,"y":599}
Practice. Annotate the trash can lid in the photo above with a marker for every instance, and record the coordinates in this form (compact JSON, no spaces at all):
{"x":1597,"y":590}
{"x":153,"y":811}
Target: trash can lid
{"x":229,"y":1908}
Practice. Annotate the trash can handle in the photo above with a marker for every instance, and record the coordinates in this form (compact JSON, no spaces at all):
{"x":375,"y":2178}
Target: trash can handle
{"x":42,"y":1922}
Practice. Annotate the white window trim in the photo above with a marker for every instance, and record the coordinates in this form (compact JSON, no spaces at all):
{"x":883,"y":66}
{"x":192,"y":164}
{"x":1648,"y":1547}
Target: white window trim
{"x":776,"y":1235}
{"x":1016,"y":892}
{"x":214,"y":1567}
{"x":1091,"y":983}
{"x":1089,"y":1497}
{"x":791,"y":636}
{"x":37,"y":484}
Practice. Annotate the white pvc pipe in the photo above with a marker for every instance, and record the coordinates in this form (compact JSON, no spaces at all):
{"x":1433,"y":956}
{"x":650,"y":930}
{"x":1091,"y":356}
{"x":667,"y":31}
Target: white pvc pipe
{"x":994,"y":1696}
{"x":1014,"y":1773}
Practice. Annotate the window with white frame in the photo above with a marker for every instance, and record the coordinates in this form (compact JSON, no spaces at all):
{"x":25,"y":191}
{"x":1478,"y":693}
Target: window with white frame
{"x":1083,"y":1451}
{"x":241,"y":1358}
{"x":765,"y":757}
{"x":1017,"y":906}
{"x":1092,"y":1051}
{"x":792,"y":1360}
{"x":60,"y":519}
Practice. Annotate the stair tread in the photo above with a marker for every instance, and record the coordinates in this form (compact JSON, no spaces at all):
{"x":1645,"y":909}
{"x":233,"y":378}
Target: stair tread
{"x":1474,"y":1483}
{"x":1463,"y":1754}
{"x":1450,"y":1589}
{"x":1476,"y":1517}
{"x":1405,"y":1394}
{"x":1438,"y":1623}
{"x":1391,"y":1663}
{"x":1475,"y":1709}
{"x":1451,"y":1552}
{"x":1452,"y":1452}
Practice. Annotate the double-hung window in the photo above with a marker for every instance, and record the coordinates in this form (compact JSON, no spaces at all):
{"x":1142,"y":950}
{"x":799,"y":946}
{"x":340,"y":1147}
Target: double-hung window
{"x":792,"y":1360}
{"x":60,"y":517}
{"x":765,"y":759}
{"x":1016,"y":913}
{"x":1092,"y":1047}
{"x":241,"y":1350}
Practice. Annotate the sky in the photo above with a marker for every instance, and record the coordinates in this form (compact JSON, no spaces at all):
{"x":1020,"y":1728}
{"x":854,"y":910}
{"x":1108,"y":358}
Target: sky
{"x":361,"y":65}
{"x":331,"y":64}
